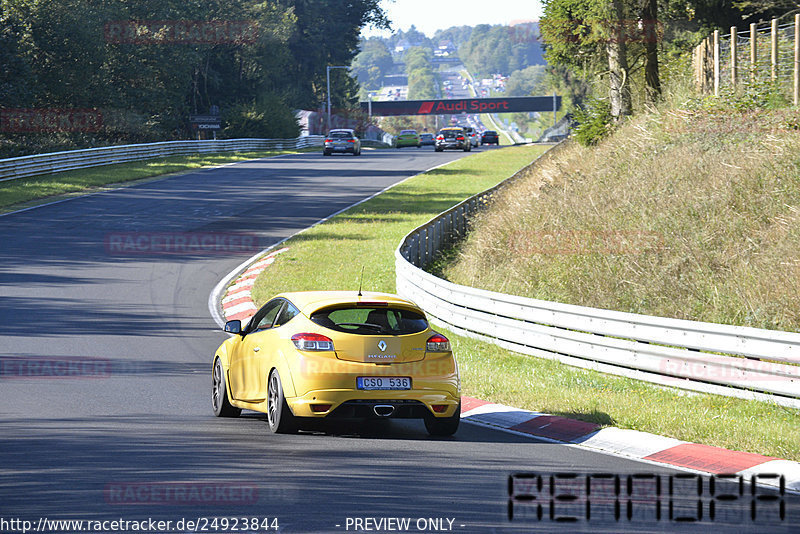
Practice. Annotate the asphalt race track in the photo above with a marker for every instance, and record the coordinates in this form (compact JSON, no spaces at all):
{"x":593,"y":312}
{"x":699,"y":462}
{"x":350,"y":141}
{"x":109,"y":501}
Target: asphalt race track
{"x":105,"y":409}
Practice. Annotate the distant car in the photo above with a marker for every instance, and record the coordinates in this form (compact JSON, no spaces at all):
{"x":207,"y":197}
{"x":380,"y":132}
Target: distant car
{"x":474,"y":139}
{"x":408,"y":138}
{"x":452,"y":137}
{"x":490,"y":137}
{"x":341,"y":141}
{"x":337,"y":355}
{"x":426,"y":139}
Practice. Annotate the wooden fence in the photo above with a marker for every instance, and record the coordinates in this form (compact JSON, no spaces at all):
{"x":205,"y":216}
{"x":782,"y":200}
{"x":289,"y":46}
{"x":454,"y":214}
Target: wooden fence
{"x":768,"y":52}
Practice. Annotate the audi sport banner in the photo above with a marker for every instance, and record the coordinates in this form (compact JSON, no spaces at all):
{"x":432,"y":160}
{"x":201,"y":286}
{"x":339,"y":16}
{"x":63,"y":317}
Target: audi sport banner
{"x":463,"y":105}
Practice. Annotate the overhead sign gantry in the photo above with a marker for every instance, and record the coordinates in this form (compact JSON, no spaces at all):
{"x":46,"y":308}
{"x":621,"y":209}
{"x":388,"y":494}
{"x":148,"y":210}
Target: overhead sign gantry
{"x":462,"y":105}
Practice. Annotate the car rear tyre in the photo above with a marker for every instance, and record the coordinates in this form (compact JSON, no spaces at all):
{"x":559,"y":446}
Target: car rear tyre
{"x":437,"y":149}
{"x":443,"y":426}
{"x":280,"y":418}
{"x":326,"y":153}
{"x":219,"y":395}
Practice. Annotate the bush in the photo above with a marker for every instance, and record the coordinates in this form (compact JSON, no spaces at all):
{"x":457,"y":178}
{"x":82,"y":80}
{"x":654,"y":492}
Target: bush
{"x":751,"y":95}
{"x":594,"y":122}
{"x":268,"y":118}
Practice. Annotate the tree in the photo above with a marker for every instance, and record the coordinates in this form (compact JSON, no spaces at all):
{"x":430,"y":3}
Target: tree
{"x":589,"y":37}
{"x":421,"y":82}
{"x":619,"y":93}
{"x":77,"y":54}
{"x":327,"y":32}
{"x":458,"y":35}
{"x":649,"y":17}
{"x":372,"y":63}
{"x":528,"y":81}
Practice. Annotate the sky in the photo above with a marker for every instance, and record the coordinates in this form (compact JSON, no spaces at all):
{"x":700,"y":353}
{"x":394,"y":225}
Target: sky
{"x":431,"y":15}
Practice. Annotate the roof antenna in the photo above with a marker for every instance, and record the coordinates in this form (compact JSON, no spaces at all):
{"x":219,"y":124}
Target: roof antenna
{"x":360,"y":282}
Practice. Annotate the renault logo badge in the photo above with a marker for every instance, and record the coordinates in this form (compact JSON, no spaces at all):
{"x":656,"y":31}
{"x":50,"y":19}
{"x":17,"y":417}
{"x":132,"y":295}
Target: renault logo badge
{"x":382,"y":345}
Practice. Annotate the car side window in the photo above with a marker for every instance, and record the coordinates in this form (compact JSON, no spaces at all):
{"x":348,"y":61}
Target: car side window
{"x":287,"y":313}
{"x":264,"y":318}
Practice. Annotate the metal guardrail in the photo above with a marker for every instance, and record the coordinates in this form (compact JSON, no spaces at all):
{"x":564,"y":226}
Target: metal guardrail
{"x":723,"y":359}
{"x":25,"y":166}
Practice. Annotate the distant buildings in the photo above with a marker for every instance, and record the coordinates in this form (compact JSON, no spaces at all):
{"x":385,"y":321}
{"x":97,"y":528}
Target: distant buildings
{"x":444,"y":49}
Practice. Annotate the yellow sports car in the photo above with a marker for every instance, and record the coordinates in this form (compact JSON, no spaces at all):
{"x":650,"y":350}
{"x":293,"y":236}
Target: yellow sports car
{"x":337,"y":354}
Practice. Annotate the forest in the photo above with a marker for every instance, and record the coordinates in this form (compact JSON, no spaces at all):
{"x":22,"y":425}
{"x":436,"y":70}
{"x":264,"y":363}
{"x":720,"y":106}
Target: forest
{"x":144,"y":67}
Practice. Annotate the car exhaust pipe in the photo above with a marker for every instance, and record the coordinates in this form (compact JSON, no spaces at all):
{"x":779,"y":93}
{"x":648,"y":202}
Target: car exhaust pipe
{"x":383,"y":410}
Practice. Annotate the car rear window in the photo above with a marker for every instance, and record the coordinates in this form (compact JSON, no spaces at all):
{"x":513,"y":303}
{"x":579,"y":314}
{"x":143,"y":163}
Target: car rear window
{"x":369,"y":321}
{"x":340,"y":135}
{"x":408,"y":132}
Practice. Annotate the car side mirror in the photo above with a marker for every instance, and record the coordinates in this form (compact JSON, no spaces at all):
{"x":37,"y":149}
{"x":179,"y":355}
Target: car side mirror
{"x":234,"y":327}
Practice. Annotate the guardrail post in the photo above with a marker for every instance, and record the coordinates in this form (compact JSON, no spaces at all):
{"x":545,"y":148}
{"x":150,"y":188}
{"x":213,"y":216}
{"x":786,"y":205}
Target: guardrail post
{"x":423,"y":257}
{"x":450,"y":239}
{"x":429,"y":234}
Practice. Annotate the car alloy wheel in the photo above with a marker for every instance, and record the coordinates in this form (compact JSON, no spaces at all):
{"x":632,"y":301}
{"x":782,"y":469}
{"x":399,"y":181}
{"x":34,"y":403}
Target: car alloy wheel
{"x":219,"y":397}
{"x":279,"y":416}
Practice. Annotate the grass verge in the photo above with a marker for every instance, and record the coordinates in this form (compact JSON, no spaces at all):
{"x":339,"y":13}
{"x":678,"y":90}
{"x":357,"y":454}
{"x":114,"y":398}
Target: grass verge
{"x":24,"y":192}
{"x":492,"y":373}
{"x":332,"y":254}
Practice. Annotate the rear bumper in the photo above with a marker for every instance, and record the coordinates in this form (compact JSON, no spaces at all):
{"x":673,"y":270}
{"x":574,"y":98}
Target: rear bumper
{"x":410,"y":404}
{"x":318,"y":379}
{"x":453,"y":144}
{"x":340,"y":150}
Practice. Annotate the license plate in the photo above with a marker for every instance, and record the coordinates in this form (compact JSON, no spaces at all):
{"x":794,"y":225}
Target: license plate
{"x":383,"y":382}
{"x":340,"y":148}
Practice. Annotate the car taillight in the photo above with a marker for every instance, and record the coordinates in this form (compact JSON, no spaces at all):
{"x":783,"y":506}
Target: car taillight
{"x":459,"y":138}
{"x":308,"y":341}
{"x":438,"y":343}
{"x":329,"y":140}
{"x":351,"y":140}
{"x":440,"y":138}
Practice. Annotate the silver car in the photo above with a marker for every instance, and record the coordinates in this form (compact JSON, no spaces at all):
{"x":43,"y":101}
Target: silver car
{"x":474,"y":138}
{"x":342,"y":141}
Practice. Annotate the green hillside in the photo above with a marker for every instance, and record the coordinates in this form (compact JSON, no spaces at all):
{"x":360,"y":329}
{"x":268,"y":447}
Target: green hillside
{"x":688,"y":213}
